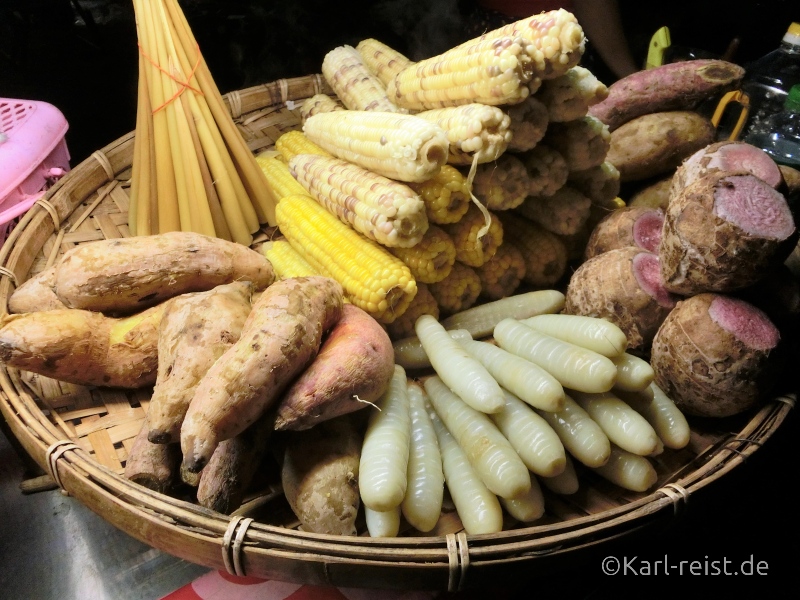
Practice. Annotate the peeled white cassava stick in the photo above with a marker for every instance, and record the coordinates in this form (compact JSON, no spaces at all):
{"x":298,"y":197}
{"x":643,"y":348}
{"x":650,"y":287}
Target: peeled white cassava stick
{"x":565,"y":482}
{"x":582,"y":437}
{"x":661,"y":412}
{"x":527,"y":507}
{"x":280,"y":338}
{"x":722,"y":232}
{"x":458,"y":370}
{"x":383,"y":524}
{"x":537,"y":444}
{"x":383,"y":472}
{"x":523,"y":378}
{"x":624,"y":426}
{"x":422,"y":504}
{"x":478,"y":508}
{"x":625,"y":287}
{"x":487,"y":449}
{"x":573,"y":366}
{"x":598,"y":335}
{"x":633,"y":373}
{"x":628,"y":470}
{"x":409,"y":353}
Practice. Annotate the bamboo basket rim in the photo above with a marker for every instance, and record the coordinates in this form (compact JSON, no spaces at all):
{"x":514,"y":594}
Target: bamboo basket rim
{"x":242,"y":546}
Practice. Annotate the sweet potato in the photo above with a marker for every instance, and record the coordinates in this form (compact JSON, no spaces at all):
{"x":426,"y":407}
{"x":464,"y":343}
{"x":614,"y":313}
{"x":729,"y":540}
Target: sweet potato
{"x":84,"y":347}
{"x":36,"y":294}
{"x":673,"y":86}
{"x":715,"y":356}
{"x":320,"y":476}
{"x":279,"y":339}
{"x":155,"y":466}
{"x":628,"y":226}
{"x":722,"y":233}
{"x":124,"y":275}
{"x":353,"y":368}
{"x":623,"y":286}
{"x":227,"y":476}
{"x":196,"y":329}
{"x":656,"y":143}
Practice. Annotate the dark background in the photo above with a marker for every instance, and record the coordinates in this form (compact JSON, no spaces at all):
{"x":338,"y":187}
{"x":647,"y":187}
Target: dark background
{"x":81,"y":56}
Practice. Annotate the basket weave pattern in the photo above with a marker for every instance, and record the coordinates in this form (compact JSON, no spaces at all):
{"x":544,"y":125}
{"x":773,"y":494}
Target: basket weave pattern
{"x":81,"y":436}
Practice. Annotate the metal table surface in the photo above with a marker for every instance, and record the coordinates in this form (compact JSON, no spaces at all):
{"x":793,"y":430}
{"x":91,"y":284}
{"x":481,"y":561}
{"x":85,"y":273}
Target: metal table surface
{"x":52,"y":546}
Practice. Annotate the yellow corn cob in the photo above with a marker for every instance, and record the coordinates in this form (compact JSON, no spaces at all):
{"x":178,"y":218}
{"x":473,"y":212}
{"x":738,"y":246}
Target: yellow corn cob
{"x":383,"y":61}
{"x":319,"y":103}
{"x":280,"y":180}
{"x":569,"y":96}
{"x":473,"y":130}
{"x":563,"y":213}
{"x":373,"y":279}
{"x":470,"y":249}
{"x":383,"y":210}
{"x":583,"y":142}
{"x":458,"y":291}
{"x":544,"y":253}
{"x":547,"y":170}
{"x":432,"y":259}
{"x":501,"y":275}
{"x":423,"y":304}
{"x":353,"y":83}
{"x":555,"y":41}
{"x":446,"y":195}
{"x":287,"y":261}
{"x":502,"y":184}
{"x":295,"y":142}
{"x":528,"y":124}
{"x":401,"y":147}
{"x":493,"y":72}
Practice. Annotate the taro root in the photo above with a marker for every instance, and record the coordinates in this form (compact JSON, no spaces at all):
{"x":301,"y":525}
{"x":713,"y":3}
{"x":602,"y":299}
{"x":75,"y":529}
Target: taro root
{"x":639,"y":227}
{"x":728,"y":156}
{"x":715,"y":355}
{"x":722,"y":233}
{"x":623,"y":286}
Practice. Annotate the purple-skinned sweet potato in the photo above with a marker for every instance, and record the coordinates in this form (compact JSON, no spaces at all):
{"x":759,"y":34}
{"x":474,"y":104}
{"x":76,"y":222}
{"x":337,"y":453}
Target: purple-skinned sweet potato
{"x":353,"y":368}
{"x":673,"y":86}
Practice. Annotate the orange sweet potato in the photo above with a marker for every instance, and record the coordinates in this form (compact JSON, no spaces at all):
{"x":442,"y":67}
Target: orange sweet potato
{"x":354,"y":367}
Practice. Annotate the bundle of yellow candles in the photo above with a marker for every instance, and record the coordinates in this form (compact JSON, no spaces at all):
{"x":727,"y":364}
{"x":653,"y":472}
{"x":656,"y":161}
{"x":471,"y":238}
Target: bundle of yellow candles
{"x":192,"y":170}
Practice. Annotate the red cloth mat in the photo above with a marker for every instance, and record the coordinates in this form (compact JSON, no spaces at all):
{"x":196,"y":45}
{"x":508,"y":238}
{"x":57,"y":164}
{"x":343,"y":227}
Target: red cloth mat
{"x":219,"y":585}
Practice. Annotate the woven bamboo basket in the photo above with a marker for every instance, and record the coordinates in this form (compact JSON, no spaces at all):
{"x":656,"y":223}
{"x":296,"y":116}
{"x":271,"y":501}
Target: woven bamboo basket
{"x":81,"y":436}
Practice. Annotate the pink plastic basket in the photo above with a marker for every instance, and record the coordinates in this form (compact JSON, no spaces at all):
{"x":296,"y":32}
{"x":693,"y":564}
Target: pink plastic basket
{"x":33,"y":156}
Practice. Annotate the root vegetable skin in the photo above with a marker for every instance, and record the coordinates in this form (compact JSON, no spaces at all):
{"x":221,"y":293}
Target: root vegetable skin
{"x":656,"y":143}
{"x":84,"y":347}
{"x":715,"y":355}
{"x":124,"y":275}
{"x":353,"y":368}
{"x":195,"y":331}
{"x":673,"y":86}
{"x":155,"y":466}
{"x":280,"y":338}
{"x":320,"y":476}
{"x":722,"y":233}
{"x":629,"y":226}
{"x":623,"y":286}
{"x":36,"y":294}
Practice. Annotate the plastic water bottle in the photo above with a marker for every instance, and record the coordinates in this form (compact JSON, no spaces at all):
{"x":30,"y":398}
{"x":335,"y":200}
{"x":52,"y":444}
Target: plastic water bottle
{"x":780,"y":135}
{"x":768,"y":80}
